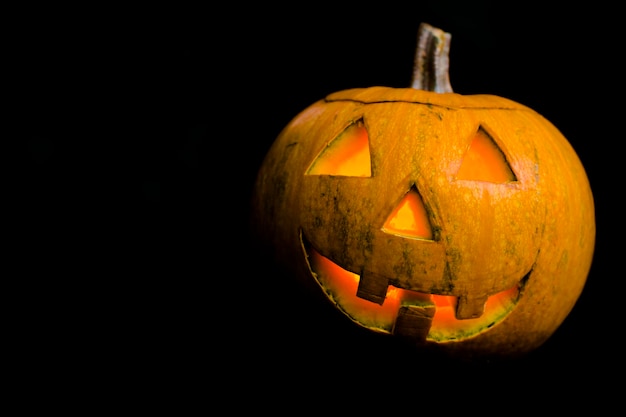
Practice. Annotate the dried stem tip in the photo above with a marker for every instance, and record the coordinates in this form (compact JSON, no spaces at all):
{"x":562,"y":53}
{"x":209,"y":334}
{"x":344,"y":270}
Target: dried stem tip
{"x":430,"y":70}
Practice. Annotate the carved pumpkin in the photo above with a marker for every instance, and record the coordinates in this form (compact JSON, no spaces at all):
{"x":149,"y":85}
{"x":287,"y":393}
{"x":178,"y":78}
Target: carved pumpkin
{"x":460,"y":223}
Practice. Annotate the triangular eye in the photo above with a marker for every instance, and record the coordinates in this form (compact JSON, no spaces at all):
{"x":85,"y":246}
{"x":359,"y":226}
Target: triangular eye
{"x":484,"y":161}
{"x":409,"y":218}
{"x":348,"y":154}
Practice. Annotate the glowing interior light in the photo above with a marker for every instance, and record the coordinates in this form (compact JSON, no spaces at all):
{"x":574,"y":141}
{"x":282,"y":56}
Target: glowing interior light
{"x":409,"y":218}
{"x":484,"y":161}
{"x":348,"y":155}
{"x":444,"y":314}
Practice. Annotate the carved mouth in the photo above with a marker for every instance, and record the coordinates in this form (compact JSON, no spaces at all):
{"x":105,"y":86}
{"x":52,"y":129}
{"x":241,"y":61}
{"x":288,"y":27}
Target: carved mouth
{"x":421,"y":316}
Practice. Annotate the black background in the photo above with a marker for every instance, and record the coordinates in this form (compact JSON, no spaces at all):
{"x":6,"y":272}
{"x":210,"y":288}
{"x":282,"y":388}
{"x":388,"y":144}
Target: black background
{"x":144,"y":129}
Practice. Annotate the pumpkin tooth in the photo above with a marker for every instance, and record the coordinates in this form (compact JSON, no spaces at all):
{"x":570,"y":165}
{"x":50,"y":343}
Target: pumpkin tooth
{"x":470,"y":308}
{"x":373,"y":287}
{"x":414,"y":321}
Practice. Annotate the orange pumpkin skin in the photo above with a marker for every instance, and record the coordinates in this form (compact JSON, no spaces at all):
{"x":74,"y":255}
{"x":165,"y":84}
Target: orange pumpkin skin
{"x":531,"y":238}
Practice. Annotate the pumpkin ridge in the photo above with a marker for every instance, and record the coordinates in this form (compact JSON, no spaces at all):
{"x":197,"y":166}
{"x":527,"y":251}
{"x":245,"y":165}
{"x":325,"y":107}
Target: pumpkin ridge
{"x":423,"y":103}
{"x":450,"y":101}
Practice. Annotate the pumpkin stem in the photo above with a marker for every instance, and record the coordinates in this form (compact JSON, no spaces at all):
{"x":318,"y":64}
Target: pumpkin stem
{"x":430,"y":69}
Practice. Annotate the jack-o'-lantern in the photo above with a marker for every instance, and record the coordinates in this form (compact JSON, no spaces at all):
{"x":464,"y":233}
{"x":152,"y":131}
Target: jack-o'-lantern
{"x":460,"y":223}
